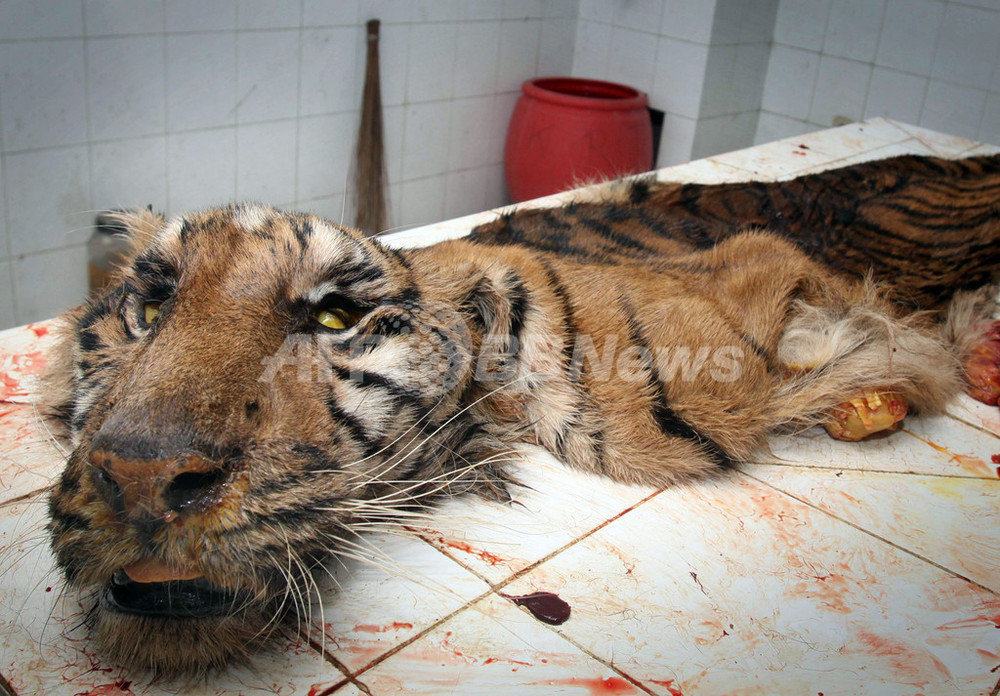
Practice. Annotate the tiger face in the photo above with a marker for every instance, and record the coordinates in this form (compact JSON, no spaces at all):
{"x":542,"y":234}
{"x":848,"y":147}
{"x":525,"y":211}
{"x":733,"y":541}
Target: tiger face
{"x":253,"y":386}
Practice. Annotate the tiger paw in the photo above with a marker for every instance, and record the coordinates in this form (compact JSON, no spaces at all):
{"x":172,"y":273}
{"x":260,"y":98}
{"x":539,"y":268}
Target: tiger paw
{"x":874,"y":412}
{"x":982,"y":366}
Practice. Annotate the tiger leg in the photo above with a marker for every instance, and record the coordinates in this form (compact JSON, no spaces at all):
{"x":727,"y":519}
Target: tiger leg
{"x":857,"y":366}
{"x":973,"y":327}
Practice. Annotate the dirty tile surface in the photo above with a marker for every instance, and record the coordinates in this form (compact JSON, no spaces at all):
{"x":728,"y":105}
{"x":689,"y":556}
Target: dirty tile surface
{"x":825,"y":568}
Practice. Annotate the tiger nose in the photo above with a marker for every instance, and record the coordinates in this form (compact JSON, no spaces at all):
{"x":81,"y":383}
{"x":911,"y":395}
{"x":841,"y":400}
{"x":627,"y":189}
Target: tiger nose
{"x":155,"y":488}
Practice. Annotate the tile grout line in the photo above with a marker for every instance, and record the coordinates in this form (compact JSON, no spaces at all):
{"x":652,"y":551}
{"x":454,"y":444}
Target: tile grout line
{"x":934,"y":446}
{"x":600,"y":660}
{"x":341,"y":667}
{"x":493,"y":587}
{"x":872,"y":534}
{"x":823,"y":467}
{"x":980,"y":428}
{"x":498,"y":585}
{"x":374,"y":662}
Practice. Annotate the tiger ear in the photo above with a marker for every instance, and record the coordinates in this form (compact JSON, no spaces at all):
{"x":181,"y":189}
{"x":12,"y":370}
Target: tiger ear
{"x":496,"y":306}
{"x":139,"y":225}
{"x":498,"y":303}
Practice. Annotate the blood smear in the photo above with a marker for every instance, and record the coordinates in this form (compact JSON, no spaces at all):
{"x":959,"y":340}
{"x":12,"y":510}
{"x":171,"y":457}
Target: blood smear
{"x":544,"y":606}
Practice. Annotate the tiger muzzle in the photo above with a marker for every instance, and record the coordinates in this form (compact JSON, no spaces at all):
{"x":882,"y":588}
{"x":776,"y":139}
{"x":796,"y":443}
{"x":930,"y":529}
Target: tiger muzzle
{"x":137,"y":488}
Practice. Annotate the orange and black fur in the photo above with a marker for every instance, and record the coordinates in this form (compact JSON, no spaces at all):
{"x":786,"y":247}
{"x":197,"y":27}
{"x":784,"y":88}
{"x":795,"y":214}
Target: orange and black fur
{"x":255,"y":384}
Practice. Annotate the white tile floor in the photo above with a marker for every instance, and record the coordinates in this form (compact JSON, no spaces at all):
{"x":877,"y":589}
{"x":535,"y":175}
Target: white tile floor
{"x":826,"y":568}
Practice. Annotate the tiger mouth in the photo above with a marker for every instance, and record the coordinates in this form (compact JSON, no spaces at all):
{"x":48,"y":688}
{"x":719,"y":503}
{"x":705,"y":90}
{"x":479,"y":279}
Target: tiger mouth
{"x":193,"y":598}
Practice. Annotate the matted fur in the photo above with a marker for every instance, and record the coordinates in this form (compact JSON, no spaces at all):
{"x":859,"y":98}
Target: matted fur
{"x":577,"y":328}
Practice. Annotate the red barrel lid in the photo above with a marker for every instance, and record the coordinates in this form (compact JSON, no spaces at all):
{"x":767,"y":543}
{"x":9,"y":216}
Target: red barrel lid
{"x":581,"y":92}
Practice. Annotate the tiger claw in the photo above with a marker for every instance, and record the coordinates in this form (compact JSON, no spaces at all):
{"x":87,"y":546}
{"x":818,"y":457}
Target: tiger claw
{"x":875,"y":411}
{"x":982,"y":367}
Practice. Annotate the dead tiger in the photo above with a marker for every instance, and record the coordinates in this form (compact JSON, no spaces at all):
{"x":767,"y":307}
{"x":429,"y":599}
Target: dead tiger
{"x":257,"y":383}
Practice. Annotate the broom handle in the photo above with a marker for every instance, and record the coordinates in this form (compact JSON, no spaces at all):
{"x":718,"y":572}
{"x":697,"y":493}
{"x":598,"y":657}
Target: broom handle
{"x":371,"y":211}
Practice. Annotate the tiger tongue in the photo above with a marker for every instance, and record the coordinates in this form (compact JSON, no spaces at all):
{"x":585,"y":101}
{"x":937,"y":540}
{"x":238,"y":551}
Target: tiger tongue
{"x":158,"y":571}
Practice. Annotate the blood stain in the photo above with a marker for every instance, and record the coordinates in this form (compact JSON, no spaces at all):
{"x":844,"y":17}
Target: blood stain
{"x":48,"y":589}
{"x":669,"y":683}
{"x":394,"y":626}
{"x":39,"y":330}
{"x":119,"y":688}
{"x":544,"y":606}
{"x":490,"y":558}
{"x":995,"y":458}
{"x":610,"y":686}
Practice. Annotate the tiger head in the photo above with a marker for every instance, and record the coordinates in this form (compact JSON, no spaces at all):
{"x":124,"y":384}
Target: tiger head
{"x":253,"y":388}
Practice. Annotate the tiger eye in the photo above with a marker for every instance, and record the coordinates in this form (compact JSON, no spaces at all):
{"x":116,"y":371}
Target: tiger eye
{"x":337,"y":319}
{"x":151,"y":310}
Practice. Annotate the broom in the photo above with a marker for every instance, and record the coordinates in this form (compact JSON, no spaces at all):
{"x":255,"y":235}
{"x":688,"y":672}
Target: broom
{"x":370,"y":155}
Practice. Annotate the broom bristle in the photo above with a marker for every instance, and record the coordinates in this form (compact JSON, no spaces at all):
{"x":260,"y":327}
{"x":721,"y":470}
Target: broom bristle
{"x":370,"y":156}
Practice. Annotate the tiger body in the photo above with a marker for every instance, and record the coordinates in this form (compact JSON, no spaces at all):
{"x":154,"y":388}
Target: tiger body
{"x":258,"y":384}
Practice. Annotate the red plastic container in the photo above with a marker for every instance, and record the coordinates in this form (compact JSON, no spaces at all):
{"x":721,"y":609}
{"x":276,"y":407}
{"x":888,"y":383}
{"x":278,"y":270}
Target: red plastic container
{"x":569,"y":131}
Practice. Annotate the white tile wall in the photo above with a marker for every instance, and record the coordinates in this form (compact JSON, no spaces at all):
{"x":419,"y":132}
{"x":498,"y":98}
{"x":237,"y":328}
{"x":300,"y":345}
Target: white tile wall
{"x":43,"y":99}
{"x":931,"y":62}
{"x":679,"y":77}
{"x":697,"y":60}
{"x":690,"y":20}
{"x":29,"y":19}
{"x":129,"y":173}
{"x":518,"y":53}
{"x":264,"y":62}
{"x":201,"y":168}
{"x":676,"y":140}
{"x":952,"y":108}
{"x":185,"y":104}
{"x":422,"y":200}
{"x":852,"y":29}
{"x":633,"y":58}
{"x":801,"y":23}
{"x":126,"y":86}
{"x":909,"y":34}
{"x":477,"y":50}
{"x":49,"y":282}
{"x":641,"y":15}
{"x":325,"y":147}
{"x":845,"y":86}
{"x":791,"y":74}
{"x":555,"y":47}
{"x":895,"y":94}
{"x":48,"y":194}
{"x":7,"y":315}
{"x":201,"y":80}
{"x":268,"y":14}
{"x":968,"y":46}
{"x":319,"y":13}
{"x":990,"y":131}
{"x":465,"y":192}
{"x":265,"y":168}
{"x":426,"y":138}
{"x":592,"y":61}
{"x":723,"y":134}
{"x":329,"y":75}
{"x":432,"y":61}
{"x":466,"y":145}
{"x":118,"y":17}
{"x":198,"y":15}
